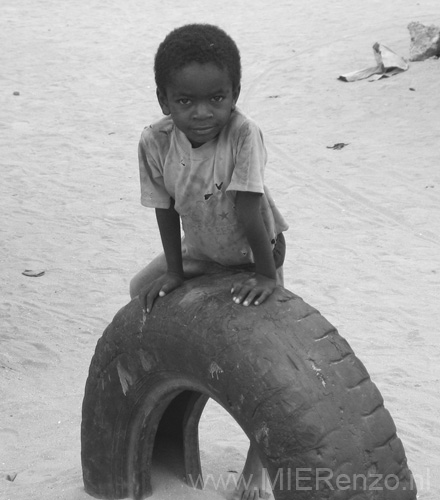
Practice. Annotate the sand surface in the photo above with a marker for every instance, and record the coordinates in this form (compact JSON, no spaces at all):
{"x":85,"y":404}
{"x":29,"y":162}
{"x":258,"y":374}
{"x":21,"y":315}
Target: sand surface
{"x":364,"y":238}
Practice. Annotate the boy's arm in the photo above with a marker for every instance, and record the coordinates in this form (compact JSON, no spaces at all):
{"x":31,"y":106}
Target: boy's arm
{"x":257,"y":289}
{"x":168,"y":221}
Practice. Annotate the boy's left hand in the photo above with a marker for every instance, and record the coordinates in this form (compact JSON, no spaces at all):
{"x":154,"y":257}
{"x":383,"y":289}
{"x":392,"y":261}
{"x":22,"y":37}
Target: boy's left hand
{"x":253,"y":290}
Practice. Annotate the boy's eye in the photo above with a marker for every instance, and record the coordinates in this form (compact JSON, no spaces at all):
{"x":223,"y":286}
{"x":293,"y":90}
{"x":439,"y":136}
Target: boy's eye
{"x":184,"y":101}
{"x":218,"y":98}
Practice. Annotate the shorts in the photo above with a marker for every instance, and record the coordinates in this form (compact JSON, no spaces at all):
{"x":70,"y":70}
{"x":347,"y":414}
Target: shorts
{"x":279,"y":254}
{"x":279,"y":250}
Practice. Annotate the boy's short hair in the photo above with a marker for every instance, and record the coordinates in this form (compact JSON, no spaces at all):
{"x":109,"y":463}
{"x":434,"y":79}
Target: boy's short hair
{"x":200,"y":43}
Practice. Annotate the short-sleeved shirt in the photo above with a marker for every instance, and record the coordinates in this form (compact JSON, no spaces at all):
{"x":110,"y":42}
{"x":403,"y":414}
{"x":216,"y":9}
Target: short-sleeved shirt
{"x":204,"y":181}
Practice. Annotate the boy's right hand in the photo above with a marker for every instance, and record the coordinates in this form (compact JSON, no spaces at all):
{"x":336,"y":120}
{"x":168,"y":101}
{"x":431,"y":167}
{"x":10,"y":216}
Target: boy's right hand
{"x":159,"y":288}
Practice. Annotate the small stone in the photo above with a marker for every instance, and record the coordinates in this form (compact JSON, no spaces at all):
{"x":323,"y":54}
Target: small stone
{"x":16,"y":92}
{"x":11,"y":477}
{"x":425,"y":41}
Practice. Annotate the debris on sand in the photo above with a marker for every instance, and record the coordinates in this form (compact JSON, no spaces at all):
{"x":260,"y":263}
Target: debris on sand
{"x":388,"y":63}
{"x":32,"y":273}
{"x":338,"y":145}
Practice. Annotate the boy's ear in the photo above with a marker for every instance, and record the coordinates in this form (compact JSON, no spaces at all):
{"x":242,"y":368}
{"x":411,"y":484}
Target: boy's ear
{"x":163,"y":102}
{"x":235,"y":94}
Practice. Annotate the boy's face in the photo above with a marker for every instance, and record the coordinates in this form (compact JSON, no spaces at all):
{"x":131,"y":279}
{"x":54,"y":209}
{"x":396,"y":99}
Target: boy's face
{"x":200,"y":99}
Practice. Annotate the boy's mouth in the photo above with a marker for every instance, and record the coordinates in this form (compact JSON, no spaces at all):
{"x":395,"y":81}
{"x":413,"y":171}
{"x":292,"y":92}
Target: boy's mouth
{"x":203,"y":130}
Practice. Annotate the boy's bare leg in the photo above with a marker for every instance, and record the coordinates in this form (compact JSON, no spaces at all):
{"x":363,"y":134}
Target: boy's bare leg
{"x":148,"y":274}
{"x":253,"y":481}
{"x":280,"y":276}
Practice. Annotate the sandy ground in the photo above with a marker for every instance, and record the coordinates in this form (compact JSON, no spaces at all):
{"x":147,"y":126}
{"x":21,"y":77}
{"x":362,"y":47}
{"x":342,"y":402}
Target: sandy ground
{"x":364,"y":241}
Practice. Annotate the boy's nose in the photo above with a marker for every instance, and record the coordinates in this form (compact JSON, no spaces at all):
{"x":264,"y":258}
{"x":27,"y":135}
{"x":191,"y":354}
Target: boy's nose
{"x":202,"y":111}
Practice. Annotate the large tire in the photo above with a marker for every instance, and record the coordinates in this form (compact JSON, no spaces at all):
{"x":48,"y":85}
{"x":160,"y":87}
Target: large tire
{"x":280,"y":369}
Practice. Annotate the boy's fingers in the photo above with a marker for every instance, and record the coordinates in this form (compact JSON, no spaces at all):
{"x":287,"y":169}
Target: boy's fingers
{"x":248,"y":299}
{"x":238,"y":294}
{"x":259,"y":300}
{"x":166,"y":288}
{"x":245,"y":296}
{"x":143,"y":299}
{"x":151,"y":297}
{"x":247,"y":284}
{"x":248,"y":296}
{"x":149,"y":303}
{"x":239,"y":287}
{"x":157,"y":291}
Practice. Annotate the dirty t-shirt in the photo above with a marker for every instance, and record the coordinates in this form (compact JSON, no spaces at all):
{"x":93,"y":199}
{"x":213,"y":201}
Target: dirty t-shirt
{"x":204,"y":181}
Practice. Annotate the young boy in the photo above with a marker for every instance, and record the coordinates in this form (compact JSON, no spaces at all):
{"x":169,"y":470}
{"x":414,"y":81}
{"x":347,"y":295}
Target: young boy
{"x":202,"y":166}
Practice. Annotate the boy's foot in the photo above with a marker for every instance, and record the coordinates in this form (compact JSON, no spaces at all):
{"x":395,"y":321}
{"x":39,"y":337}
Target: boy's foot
{"x":250,"y":490}
{"x":253,"y":483}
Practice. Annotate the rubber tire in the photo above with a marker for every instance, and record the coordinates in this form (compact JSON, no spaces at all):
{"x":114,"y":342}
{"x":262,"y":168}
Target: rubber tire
{"x":281,"y":370}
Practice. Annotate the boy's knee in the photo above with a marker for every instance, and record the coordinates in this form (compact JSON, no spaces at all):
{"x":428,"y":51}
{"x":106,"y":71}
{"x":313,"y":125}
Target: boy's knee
{"x":134,"y":288}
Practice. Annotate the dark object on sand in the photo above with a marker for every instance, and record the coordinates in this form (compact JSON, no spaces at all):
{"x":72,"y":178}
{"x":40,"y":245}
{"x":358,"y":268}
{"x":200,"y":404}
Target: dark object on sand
{"x":338,"y":145}
{"x":32,"y":273}
{"x":280,"y":369}
{"x":425,"y":41}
